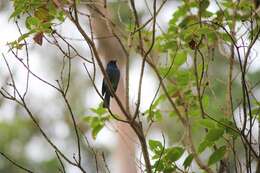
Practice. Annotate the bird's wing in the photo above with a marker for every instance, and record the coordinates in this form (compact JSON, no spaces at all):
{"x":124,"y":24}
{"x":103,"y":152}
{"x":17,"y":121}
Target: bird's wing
{"x":103,"y":87}
{"x":117,"y":77}
{"x":113,"y":75}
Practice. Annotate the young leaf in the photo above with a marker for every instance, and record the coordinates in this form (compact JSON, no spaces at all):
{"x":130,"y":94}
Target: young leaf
{"x":96,"y":129}
{"x":32,"y":22}
{"x":204,"y":5}
{"x":155,"y":146}
{"x":96,"y":124}
{"x":158,"y":165}
{"x":214,"y":134}
{"x":204,"y":145}
{"x":173,"y":154}
{"x":207,"y":123}
{"x":99,"y":111}
{"x":180,"y":58}
{"x":187,"y":161}
{"x":217,"y":155}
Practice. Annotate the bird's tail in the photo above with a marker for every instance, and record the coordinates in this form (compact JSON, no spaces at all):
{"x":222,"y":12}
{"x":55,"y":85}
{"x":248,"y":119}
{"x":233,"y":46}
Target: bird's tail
{"x":106,"y":100}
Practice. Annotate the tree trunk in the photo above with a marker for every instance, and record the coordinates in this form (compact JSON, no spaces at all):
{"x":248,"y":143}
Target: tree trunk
{"x":110,"y":48}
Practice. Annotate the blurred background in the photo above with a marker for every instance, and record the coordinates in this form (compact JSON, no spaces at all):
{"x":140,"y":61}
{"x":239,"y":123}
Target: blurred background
{"x":22,"y":141}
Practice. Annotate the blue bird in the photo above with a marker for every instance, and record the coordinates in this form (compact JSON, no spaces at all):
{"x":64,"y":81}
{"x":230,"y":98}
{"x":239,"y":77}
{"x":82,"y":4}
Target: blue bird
{"x":114,"y":76}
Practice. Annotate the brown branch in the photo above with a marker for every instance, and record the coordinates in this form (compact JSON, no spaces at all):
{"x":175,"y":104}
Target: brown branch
{"x":61,"y":163}
{"x":166,"y":92}
{"x":73,"y":121}
{"x":151,"y":19}
{"x":27,"y":59}
{"x":105,"y":162}
{"x":24,"y":105}
{"x":144,"y":61}
{"x":15,"y":163}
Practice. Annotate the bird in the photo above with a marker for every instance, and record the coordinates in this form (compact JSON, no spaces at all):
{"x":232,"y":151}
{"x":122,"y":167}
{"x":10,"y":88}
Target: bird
{"x":113,"y":74}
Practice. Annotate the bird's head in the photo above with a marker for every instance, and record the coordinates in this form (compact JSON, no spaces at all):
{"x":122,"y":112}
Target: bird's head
{"x":112,"y":62}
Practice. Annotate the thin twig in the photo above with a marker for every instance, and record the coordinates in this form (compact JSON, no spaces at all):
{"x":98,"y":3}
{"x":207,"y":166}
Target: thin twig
{"x":15,"y":163}
{"x":61,"y":163}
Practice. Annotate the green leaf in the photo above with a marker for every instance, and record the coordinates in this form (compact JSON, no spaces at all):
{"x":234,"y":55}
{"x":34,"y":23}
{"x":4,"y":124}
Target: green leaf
{"x":16,"y":13}
{"x":173,"y":154}
{"x":204,"y":5}
{"x":99,"y":111}
{"x":32,"y":22}
{"x":187,"y":161}
{"x":229,"y":128}
{"x":96,"y":129}
{"x":255,"y":110}
{"x":188,"y":21}
{"x":157,"y":115}
{"x":203,"y":145}
{"x":155,"y":146}
{"x":183,"y":77}
{"x":42,"y":14}
{"x":217,"y":155}
{"x":157,"y":102}
{"x":180,"y":58}
{"x":182,"y":11}
{"x":96,"y":124}
{"x":159,"y":165}
{"x":205,"y":100}
{"x":226,"y":37}
{"x":214,"y":134}
{"x":172,"y":114}
{"x":169,"y":169}
{"x":207,"y":123}
{"x":207,"y":14}
{"x":24,"y":36}
{"x":97,"y":121}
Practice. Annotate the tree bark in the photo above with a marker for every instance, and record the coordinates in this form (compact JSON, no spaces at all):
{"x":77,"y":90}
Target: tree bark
{"x":110,"y":49}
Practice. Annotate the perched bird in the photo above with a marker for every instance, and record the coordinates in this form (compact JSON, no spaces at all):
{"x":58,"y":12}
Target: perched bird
{"x":113,"y":76}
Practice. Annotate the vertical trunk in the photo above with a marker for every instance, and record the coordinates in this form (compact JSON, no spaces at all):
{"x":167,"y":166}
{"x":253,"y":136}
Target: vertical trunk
{"x":109,"y":48}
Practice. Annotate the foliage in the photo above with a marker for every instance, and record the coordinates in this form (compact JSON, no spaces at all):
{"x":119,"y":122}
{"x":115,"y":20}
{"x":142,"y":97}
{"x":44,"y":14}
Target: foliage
{"x":41,"y":16}
{"x":165,"y":158}
{"x":97,"y":121}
